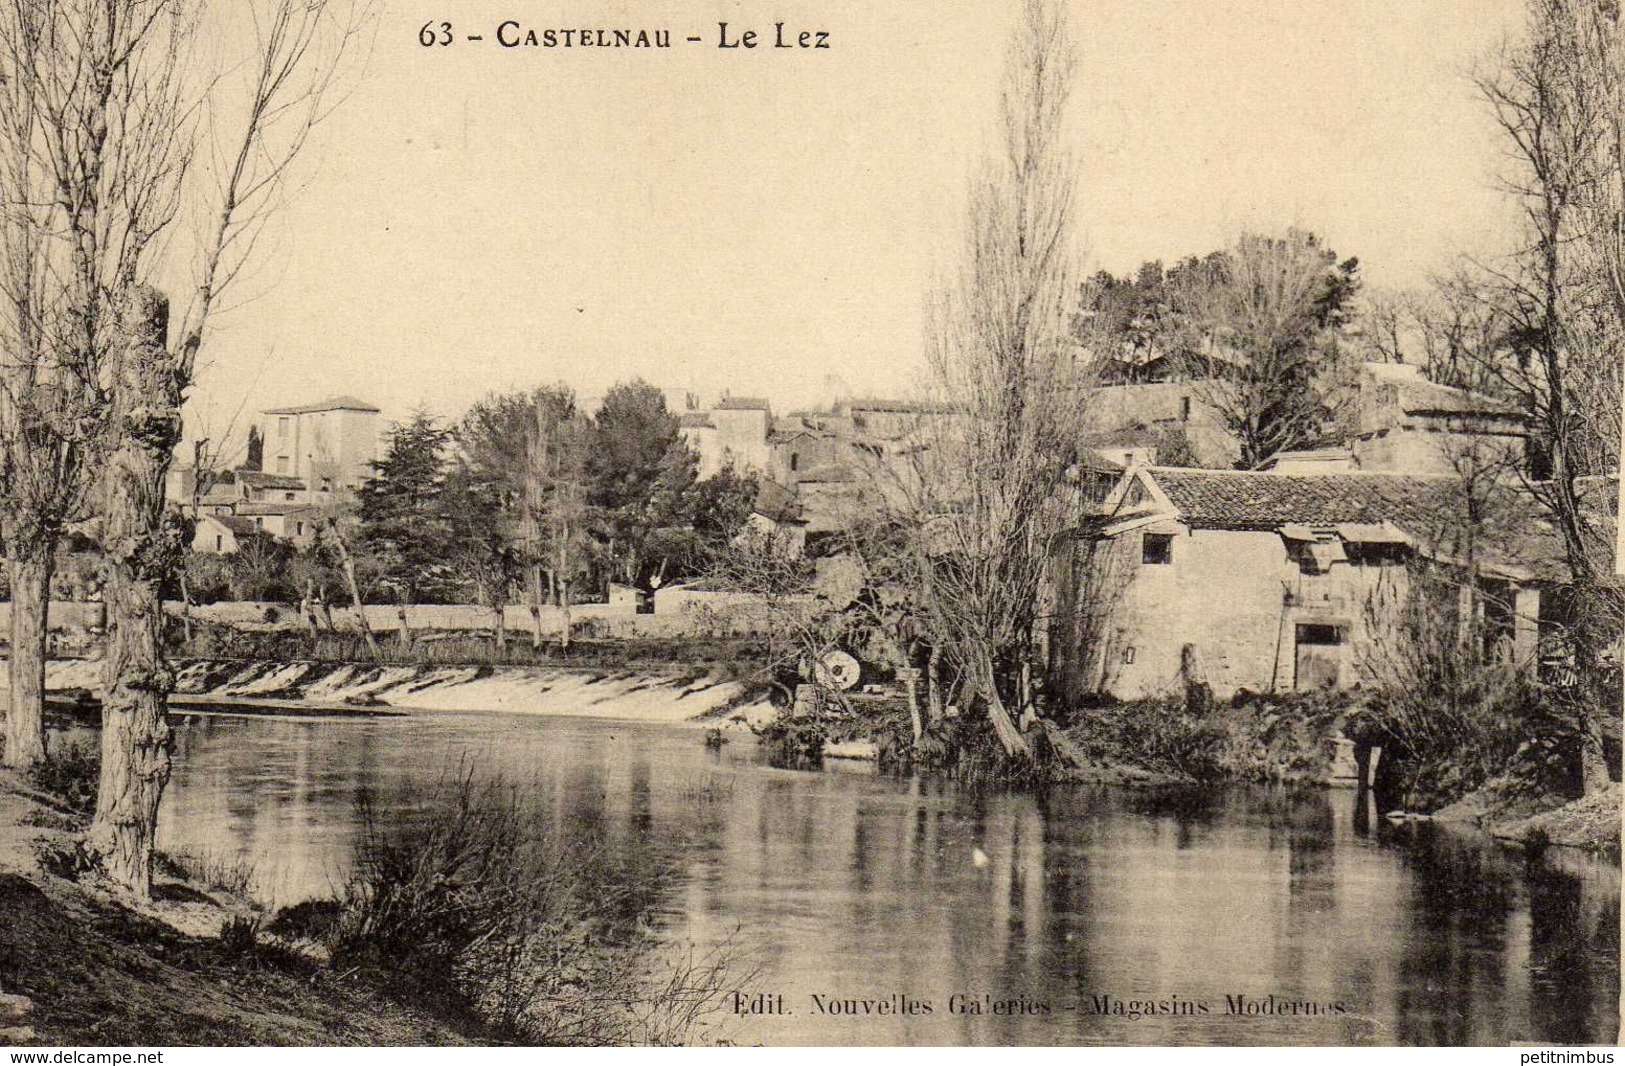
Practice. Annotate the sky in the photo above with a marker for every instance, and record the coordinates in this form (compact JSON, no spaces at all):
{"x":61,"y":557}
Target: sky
{"x":769,"y":222}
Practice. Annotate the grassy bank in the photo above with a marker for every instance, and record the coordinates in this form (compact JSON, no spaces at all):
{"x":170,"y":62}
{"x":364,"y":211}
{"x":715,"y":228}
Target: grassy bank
{"x":96,"y":970}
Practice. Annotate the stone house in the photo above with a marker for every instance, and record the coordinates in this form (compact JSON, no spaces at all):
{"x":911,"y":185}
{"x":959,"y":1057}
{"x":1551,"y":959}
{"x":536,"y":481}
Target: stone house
{"x":1405,"y":422}
{"x":732,"y":433}
{"x":1270,"y":582}
{"x":221,"y":534}
{"x":330,"y":446}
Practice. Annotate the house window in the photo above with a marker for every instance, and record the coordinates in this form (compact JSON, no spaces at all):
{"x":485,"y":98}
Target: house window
{"x":1320,"y":634}
{"x":259,"y":523}
{"x":282,"y":425}
{"x":298,"y":529}
{"x":1157,"y":549}
{"x":1184,"y":408}
{"x":219,"y":542}
{"x":282,"y":464}
{"x":327,"y":484}
{"x":795,"y":461}
{"x":288,"y":496}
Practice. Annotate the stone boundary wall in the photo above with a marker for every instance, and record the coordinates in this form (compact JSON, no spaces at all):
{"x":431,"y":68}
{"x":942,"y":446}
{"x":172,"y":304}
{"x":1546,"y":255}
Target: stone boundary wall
{"x":680,"y":612}
{"x":62,"y":615}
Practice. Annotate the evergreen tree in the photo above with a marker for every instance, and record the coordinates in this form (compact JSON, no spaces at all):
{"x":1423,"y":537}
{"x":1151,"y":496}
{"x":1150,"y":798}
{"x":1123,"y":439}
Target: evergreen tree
{"x":406,"y":530}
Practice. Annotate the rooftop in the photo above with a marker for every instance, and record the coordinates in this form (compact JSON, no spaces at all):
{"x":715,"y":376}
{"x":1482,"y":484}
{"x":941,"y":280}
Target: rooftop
{"x":240,"y":527}
{"x":1431,"y":510}
{"x":1417,"y":395}
{"x":334,"y":403}
{"x":1244,"y":499}
{"x":261,"y":480}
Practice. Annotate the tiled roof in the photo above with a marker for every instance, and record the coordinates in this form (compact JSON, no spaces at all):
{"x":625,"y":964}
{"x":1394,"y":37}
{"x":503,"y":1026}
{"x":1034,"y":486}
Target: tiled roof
{"x":334,"y":403}
{"x":1416,"y":395}
{"x":260,"y":479}
{"x":268,"y":508}
{"x":1424,"y":397}
{"x":695,"y":420}
{"x":241,"y":527}
{"x":1432,"y":510}
{"x":827,"y":474}
{"x":1238,"y":499}
{"x":905,"y":407}
{"x":776,"y":502}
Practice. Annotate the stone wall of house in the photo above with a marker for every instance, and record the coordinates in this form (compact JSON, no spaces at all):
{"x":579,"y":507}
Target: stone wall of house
{"x":1167,"y":405}
{"x":1434,"y":446}
{"x":1221,"y":592}
{"x":1238,"y":598}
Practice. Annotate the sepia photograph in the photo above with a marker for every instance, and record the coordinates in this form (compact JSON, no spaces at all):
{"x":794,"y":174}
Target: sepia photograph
{"x":806,"y":523}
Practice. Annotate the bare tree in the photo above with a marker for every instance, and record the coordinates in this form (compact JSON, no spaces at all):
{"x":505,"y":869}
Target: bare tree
{"x":82,"y":198}
{"x":1263,"y":352}
{"x":1002,"y":356}
{"x":1557,"y":97}
{"x":109,"y":103}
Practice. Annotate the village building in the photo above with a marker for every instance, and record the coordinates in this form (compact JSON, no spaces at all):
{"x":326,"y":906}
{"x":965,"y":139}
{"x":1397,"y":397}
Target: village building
{"x":731,"y":433}
{"x":331,"y":446}
{"x":221,"y":534}
{"x":1406,"y":422}
{"x":1273,"y":582}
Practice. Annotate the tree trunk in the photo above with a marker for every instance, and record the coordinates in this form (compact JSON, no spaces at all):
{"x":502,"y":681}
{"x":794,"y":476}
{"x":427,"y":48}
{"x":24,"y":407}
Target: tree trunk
{"x":307,"y":609}
{"x":30,"y":600}
{"x":500,"y":622}
{"x":348,"y":565}
{"x":139,"y":550}
{"x":1594,"y":775}
{"x":186,"y":607}
{"x":933,"y":687}
{"x":1004,"y":727}
{"x":564,"y":623}
{"x":536,"y":607}
{"x":404,"y":630}
{"x":911,"y":688}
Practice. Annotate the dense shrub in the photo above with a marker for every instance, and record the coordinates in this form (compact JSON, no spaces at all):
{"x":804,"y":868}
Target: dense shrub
{"x":72,"y":774}
{"x":794,"y":743}
{"x":473,"y":911}
{"x":1523,"y":733}
{"x":1282,"y":739}
{"x":1153,"y":734}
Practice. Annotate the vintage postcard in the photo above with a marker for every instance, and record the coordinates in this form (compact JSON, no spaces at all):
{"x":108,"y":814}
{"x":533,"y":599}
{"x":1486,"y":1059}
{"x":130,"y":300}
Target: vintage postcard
{"x":774,"y":522}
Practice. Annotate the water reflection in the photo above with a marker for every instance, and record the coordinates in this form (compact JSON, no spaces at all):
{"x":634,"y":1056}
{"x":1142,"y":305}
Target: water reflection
{"x":851,"y":886}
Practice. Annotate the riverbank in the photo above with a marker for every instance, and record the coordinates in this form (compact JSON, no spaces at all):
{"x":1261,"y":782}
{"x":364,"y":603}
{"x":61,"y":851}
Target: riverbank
{"x":1591,"y":823}
{"x":83,"y":967}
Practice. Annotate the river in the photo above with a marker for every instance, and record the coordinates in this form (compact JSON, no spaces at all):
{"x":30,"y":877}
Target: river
{"x":861,"y":900}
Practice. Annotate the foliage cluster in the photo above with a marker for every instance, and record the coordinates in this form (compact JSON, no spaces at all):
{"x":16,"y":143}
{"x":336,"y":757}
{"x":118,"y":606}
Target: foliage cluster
{"x":71,"y":773}
{"x":527,"y":482}
{"x":474,"y":911}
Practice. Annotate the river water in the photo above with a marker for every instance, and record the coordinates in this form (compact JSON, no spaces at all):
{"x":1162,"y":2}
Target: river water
{"x":860,"y":900}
